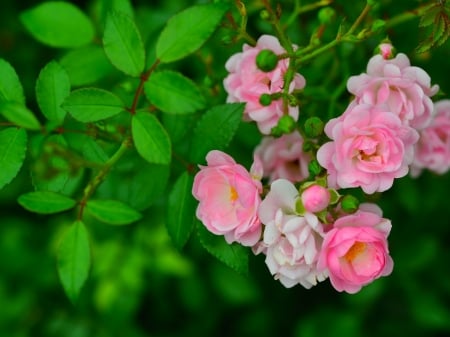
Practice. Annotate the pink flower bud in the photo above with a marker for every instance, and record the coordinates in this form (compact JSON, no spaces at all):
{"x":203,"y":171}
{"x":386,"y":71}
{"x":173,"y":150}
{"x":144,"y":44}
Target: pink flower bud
{"x":386,"y":50}
{"x":315,"y":198}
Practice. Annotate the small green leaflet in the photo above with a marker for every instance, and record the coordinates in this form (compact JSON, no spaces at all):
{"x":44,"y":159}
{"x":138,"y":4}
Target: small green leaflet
{"x":52,"y":87}
{"x":74,"y":259}
{"x":92,"y":104}
{"x":10,"y":86}
{"x":233,"y":255}
{"x":112,"y":212}
{"x":46,"y":202}
{"x":215,"y":129}
{"x":19,"y":115}
{"x":13,"y":146}
{"x":181,"y":210}
{"x":123,"y":44}
{"x":58,"y":24}
{"x":188,"y":30}
{"x":174,"y":93}
{"x":151,"y":139}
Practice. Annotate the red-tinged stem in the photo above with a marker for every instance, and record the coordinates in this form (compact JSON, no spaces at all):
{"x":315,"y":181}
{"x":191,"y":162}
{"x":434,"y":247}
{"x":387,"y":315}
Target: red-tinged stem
{"x":144,"y":77}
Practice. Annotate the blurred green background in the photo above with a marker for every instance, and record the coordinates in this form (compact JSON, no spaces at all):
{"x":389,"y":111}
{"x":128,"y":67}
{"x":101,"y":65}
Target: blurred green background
{"x":140,"y":285}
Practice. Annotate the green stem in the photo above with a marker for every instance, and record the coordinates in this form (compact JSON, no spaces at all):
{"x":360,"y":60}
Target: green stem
{"x":298,"y":10}
{"x":359,"y":19}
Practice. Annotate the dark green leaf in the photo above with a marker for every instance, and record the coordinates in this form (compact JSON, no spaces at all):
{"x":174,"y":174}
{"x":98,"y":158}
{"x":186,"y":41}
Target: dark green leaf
{"x":74,"y":259}
{"x":123,"y":44}
{"x":10,"y":86}
{"x":52,"y":87}
{"x":92,"y":104}
{"x":46,"y":202}
{"x":58,"y":24}
{"x":86,"y":65}
{"x":429,"y":16}
{"x":19,"y":115}
{"x":181,"y":210}
{"x":233,"y":255}
{"x":150,"y":139}
{"x":188,"y":30}
{"x":112,"y":212}
{"x":215,"y":130}
{"x":13,"y":146}
{"x":174,"y":93}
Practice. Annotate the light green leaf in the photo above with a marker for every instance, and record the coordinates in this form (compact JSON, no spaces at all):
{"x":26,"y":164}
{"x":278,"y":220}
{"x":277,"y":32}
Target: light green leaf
{"x":123,"y":44}
{"x":13,"y":146}
{"x":174,"y":93}
{"x":52,"y":87}
{"x":58,"y":24}
{"x":150,"y":138}
{"x":188,"y":30}
{"x":233,"y":255}
{"x":86,"y":65}
{"x":74,"y":259}
{"x":10,"y":87}
{"x":181,"y":210}
{"x":112,"y":212}
{"x":92,"y":104}
{"x":46,"y":202}
{"x":19,"y":115}
{"x":215,"y":130}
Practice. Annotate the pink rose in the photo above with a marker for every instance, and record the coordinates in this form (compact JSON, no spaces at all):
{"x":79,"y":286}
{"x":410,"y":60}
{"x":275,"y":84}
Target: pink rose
{"x":315,"y":198}
{"x":229,"y":199}
{"x":291,"y":242}
{"x":406,"y":90}
{"x":246,"y":83}
{"x":284,"y":157}
{"x":355,"y":252}
{"x":370,"y":147}
{"x":432,"y":151}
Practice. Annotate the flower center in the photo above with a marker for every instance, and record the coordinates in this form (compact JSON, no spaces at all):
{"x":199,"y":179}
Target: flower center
{"x":233,"y":194}
{"x":355,"y":250}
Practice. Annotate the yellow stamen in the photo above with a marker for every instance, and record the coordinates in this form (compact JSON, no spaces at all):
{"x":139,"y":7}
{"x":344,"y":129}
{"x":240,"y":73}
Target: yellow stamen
{"x":355,"y":250}
{"x":233,"y":194}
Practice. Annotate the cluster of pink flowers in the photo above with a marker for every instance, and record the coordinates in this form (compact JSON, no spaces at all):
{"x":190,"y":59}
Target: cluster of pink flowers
{"x":300,"y":223}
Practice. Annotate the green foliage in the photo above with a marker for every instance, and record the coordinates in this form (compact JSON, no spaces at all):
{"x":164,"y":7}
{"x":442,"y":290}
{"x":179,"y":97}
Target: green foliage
{"x":46,"y":202}
{"x":19,"y":115}
{"x":10,"y":86}
{"x":58,"y":24}
{"x":13,"y":145}
{"x":112,"y":212}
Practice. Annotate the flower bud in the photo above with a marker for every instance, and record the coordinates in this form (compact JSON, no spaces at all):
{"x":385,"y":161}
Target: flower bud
{"x":265,"y":99}
{"x":266,"y":60}
{"x":264,"y":14}
{"x":315,"y":198}
{"x":313,"y":127}
{"x":326,"y":15}
{"x":386,"y":50}
{"x":314,"y":168}
{"x":286,"y":124}
{"x":349,"y":203}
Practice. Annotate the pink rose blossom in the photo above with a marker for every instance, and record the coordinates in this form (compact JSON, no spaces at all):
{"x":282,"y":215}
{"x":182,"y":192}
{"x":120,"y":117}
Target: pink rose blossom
{"x":291,"y":242}
{"x":355,"y":252}
{"x":405,"y":89}
{"x":229,"y":198}
{"x":370,"y":147}
{"x":315,"y":198}
{"x":246,"y":83}
{"x":284,"y":157}
{"x":432,"y":151}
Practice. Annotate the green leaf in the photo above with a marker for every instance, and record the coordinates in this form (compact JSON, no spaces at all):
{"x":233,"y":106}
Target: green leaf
{"x":20,"y":115}
{"x":233,"y":255}
{"x":429,"y":16}
{"x":92,"y":104}
{"x":174,"y":93}
{"x":58,"y":24}
{"x":74,"y":259}
{"x":123,"y":44}
{"x":13,"y":146}
{"x":86,"y":65}
{"x":215,"y":130}
{"x":181,"y":210}
{"x":52,"y":87}
{"x":151,"y":139}
{"x":46,"y":202}
{"x":10,"y":87}
{"x":112,"y":212}
{"x":188,"y":30}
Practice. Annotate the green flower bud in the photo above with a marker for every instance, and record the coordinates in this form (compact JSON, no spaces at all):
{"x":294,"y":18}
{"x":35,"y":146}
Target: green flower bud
{"x":349,"y":203}
{"x":264,"y":14}
{"x":326,"y":15}
{"x":286,"y":124}
{"x":314,"y":168}
{"x":314,"y":127}
{"x":266,"y":60}
{"x":265,"y":99}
